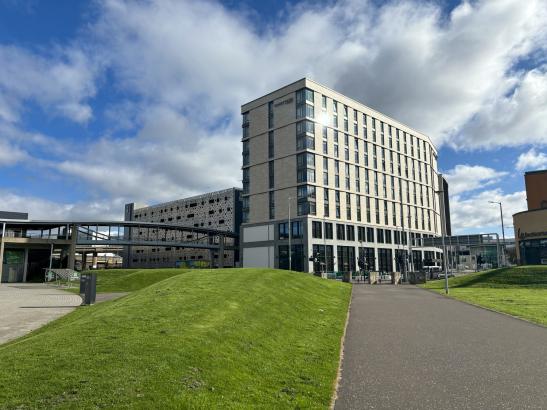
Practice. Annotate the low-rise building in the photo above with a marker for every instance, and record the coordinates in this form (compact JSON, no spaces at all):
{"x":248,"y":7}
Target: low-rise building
{"x":220,"y":210}
{"x":531,"y":225}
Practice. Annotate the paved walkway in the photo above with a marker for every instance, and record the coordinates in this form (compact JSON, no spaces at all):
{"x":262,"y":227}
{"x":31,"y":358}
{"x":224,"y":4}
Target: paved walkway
{"x":27,"y":306}
{"x":407,"y":348}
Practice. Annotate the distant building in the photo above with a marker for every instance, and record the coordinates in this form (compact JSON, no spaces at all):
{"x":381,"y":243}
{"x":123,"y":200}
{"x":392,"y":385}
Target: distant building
{"x":328,"y":180}
{"x":13,"y":215}
{"x":531,"y":225}
{"x":220,"y":210}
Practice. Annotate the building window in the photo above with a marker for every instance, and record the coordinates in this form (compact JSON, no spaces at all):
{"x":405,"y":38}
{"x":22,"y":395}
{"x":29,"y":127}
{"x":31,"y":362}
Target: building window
{"x":245,"y":209}
{"x":316,"y":229}
{"x":340,"y":232}
{"x":305,"y":135}
{"x":272,"y":204}
{"x":245,"y":152}
{"x":380,"y":235}
{"x":370,"y":235}
{"x":296,"y":229}
{"x":270,"y":114}
{"x":348,"y":206}
{"x":283,"y":230}
{"x":306,"y":200}
{"x":246,"y":180}
{"x":328,"y":230}
{"x":270,"y":144}
{"x":305,"y":167}
{"x":304,"y":103}
{"x":271,"y":174}
{"x":337,"y":203}
{"x":326,"y":210}
{"x":350,"y":232}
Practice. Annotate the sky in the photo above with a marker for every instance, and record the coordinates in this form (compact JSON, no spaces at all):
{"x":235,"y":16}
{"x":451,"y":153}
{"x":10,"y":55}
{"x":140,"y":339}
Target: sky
{"x":108,"y":102}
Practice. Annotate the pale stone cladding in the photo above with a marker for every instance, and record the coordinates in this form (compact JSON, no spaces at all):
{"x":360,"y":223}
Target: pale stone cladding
{"x":340,"y":163}
{"x":219,"y":210}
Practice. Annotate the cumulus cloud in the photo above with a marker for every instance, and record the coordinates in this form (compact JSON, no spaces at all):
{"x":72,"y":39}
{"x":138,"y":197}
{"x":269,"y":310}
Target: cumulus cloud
{"x":464,"y":178}
{"x":477,"y":213}
{"x":43,"y":209}
{"x":60,"y":83}
{"x":532,"y":160}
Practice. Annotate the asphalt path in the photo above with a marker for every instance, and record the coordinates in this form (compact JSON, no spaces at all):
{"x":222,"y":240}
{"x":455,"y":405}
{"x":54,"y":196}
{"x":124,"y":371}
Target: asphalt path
{"x":408,"y":348}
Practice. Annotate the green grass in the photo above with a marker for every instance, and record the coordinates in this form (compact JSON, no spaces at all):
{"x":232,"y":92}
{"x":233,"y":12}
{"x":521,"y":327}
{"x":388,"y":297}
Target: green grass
{"x":520,"y":291}
{"x":129,"y":280}
{"x":233,"y":338}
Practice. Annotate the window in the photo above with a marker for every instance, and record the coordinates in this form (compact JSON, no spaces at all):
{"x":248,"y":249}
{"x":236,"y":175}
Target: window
{"x":370,"y":235}
{"x":324,"y":102}
{"x":337,"y":202}
{"x":271,"y":173}
{"x":361,"y":234}
{"x":350,"y":232}
{"x":380,"y":235}
{"x":245,"y":209}
{"x":296,"y":229}
{"x":326,"y":202}
{"x":306,"y":200}
{"x":304,"y":103}
{"x":305,"y":135}
{"x":348,"y":206}
{"x":328,"y":230}
{"x":246,"y":181}
{"x":245,"y":153}
{"x":305,"y":167}
{"x":272,"y":204}
{"x":270,"y":114}
{"x":316,"y":230}
{"x":270,"y":144}
{"x":283,"y":230}
{"x":387,"y":235}
{"x":340,"y":232}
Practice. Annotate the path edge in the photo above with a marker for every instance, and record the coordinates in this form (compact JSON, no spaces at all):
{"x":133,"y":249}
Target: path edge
{"x":341,"y":355}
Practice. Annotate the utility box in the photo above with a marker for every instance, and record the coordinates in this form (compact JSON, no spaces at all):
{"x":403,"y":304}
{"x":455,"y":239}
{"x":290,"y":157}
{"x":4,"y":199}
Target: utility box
{"x":88,"y":288}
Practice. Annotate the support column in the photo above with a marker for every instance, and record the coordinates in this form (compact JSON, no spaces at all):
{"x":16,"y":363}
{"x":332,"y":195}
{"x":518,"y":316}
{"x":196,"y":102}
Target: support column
{"x":221,"y":252}
{"x":2,"y":250}
{"x":72,"y":247}
{"x":25,"y":267}
{"x":94,"y":261}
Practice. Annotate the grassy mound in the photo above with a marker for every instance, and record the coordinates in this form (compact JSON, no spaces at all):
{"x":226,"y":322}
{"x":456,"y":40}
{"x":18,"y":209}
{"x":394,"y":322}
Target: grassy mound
{"x":234,"y":338}
{"x":129,"y":280}
{"x":520,"y":291}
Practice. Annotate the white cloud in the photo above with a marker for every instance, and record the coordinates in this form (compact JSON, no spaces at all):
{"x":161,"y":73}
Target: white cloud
{"x":476,"y":213}
{"x":42,"y":209}
{"x":60,"y":83}
{"x":532,"y":160}
{"x":9,"y":154}
{"x":464,"y":178}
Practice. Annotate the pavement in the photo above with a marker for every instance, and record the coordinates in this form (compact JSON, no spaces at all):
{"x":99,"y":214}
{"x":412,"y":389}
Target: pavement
{"x":408,"y":348}
{"x":28,"y":306}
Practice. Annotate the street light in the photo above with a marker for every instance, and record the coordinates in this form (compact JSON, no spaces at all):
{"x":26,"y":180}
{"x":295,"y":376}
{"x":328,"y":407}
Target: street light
{"x":502,"y":229}
{"x":443,"y":228}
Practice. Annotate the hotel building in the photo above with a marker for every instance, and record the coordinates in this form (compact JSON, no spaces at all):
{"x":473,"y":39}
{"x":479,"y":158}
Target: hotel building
{"x":355,"y":185}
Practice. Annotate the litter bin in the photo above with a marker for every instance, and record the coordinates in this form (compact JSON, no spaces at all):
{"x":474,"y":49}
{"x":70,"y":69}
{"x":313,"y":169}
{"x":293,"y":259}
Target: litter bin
{"x":346,"y":277}
{"x":88,"y":288}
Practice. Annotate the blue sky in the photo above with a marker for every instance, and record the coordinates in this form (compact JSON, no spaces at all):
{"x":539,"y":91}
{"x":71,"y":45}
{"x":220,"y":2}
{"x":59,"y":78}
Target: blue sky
{"x":93,"y":93}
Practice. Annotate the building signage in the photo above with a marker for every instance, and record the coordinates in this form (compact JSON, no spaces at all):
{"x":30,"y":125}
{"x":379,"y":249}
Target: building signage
{"x":287,"y":101}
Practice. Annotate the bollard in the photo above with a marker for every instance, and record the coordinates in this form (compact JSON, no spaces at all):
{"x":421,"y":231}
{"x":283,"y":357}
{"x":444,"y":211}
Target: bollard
{"x":88,"y":288}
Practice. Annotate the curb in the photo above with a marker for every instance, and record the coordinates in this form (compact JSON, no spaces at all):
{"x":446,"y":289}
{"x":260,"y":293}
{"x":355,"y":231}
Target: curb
{"x":342,"y":342}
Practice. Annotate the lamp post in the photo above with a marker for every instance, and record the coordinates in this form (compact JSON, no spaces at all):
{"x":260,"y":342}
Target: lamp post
{"x":443,"y":230}
{"x":502,"y":230}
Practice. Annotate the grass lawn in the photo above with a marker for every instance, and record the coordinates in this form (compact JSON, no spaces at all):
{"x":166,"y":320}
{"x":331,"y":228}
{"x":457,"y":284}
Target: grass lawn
{"x":520,"y":291}
{"x":230,"y":338}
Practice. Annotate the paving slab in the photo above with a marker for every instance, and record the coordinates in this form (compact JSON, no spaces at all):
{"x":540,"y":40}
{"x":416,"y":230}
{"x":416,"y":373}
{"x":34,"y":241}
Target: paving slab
{"x":27,"y":306}
{"x":408,"y":348}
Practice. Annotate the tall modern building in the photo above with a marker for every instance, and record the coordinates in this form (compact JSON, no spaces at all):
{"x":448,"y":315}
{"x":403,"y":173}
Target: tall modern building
{"x":219,"y":210}
{"x":331,"y":180}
